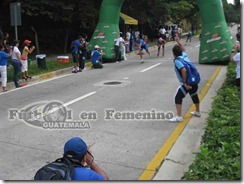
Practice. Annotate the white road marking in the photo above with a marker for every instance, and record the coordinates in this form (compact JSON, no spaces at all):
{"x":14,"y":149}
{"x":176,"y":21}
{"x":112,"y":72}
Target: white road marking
{"x":126,"y":78}
{"x":150,"y":67}
{"x":67,"y":104}
{"x":79,"y":99}
{"x":35,"y":83}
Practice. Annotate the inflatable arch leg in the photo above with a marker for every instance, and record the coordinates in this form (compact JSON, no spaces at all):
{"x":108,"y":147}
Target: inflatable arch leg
{"x":216,"y":41}
{"x":107,"y":29}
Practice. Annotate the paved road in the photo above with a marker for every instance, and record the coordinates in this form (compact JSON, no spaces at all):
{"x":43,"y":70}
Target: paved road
{"x":123,"y":148}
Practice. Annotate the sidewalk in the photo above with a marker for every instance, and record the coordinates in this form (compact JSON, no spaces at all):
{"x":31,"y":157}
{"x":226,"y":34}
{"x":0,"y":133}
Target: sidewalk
{"x":184,"y":150}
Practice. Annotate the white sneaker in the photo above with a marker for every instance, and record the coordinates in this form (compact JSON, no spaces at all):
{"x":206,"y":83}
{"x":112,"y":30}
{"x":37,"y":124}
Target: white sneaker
{"x":142,"y":61}
{"x":195,"y":113}
{"x":176,"y":119}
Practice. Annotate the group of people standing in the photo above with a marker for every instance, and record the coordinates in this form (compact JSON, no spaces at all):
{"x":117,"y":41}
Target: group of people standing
{"x":17,"y":60}
{"x":131,"y":39}
{"x":171,"y":32}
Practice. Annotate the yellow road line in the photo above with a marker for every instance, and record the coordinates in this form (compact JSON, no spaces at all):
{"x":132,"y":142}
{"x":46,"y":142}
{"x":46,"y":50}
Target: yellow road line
{"x":158,"y":159}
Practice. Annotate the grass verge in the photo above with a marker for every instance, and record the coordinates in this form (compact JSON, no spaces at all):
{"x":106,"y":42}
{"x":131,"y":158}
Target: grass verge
{"x":219,"y":158}
{"x":33,"y":70}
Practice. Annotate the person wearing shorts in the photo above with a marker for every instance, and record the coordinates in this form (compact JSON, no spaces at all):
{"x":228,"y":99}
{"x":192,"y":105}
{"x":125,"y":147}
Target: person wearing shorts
{"x":179,"y":53}
{"x":24,"y":59}
{"x":189,"y":36}
{"x":142,"y":46}
{"x":161,"y":43}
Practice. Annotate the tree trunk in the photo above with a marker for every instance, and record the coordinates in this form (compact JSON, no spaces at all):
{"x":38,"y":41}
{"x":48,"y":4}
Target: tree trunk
{"x":36,"y":39}
{"x":66,"y":40}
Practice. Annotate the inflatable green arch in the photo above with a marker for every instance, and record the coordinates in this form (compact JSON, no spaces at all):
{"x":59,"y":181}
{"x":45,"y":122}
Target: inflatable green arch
{"x":216,"y":43}
{"x":215,"y":40}
{"x":107,"y":29}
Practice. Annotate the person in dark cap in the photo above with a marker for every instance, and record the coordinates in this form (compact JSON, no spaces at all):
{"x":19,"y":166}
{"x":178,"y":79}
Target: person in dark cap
{"x":77,"y":152}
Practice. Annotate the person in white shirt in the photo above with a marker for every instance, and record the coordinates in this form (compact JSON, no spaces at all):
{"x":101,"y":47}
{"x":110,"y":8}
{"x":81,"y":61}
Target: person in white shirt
{"x":236,"y":58}
{"x":162,"y":32}
{"x":16,"y":62}
{"x":123,"y":45}
{"x":118,"y":44}
{"x":128,"y":35}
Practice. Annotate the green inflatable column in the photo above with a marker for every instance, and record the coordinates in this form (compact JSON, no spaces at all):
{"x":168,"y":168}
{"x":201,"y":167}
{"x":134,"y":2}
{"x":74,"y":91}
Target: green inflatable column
{"x":107,"y":29}
{"x":216,"y":43}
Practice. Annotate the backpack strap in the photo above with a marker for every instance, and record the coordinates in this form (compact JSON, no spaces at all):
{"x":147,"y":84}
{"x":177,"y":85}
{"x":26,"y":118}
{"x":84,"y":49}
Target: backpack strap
{"x":70,"y":163}
{"x":182,"y":61}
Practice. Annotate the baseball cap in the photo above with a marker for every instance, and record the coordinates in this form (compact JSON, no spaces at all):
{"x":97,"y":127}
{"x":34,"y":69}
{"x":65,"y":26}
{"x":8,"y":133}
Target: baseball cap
{"x":97,"y":47}
{"x":75,"y":148}
{"x":27,"y":41}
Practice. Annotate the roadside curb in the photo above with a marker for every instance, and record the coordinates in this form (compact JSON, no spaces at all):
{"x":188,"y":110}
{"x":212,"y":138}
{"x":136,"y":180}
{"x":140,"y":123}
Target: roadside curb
{"x":184,"y":151}
{"x":178,"y":151}
{"x":47,"y":76}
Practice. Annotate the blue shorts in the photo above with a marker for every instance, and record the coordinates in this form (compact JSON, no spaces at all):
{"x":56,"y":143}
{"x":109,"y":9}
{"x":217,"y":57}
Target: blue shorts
{"x":144,"y":47}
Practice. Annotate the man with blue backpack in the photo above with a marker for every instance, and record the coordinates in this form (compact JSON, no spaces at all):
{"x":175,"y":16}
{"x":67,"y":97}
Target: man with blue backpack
{"x":77,"y":163}
{"x":189,"y":78}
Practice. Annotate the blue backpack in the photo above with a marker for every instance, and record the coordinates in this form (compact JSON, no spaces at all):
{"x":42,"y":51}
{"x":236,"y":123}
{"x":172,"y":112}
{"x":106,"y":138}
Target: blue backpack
{"x":193,"y":76}
{"x":60,"y":169}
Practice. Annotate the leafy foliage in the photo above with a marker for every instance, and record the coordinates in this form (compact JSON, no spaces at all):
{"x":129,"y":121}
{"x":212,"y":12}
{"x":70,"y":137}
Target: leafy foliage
{"x":219,"y":158}
{"x":65,"y":19}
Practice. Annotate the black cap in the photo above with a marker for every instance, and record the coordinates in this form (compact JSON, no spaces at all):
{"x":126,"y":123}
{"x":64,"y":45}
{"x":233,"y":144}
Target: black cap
{"x":16,"y":41}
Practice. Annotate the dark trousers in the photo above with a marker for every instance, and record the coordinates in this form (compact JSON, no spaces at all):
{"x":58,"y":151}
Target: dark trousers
{"x":117,"y":53}
{"x":97,"y":65}
{"x":82,"y":61}
{"x":16,"y":65}
{"x":131,"y":45}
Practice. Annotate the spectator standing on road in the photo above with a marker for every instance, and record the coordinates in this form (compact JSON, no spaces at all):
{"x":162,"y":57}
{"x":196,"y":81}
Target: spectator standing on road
{"x":189,"y":36}
{"x":127,"y":40}
{"x":162,"y":33}
{"x":124,"y":49}
{"x":132,"y":39}
{"x":179,"y":52}
{"x":96,"y":57}
{"x":24,"y":59}
{"x":118,"y":45}
{"x":82,"y":53}
{"x":179,"y":32}
{"x":77,"y":151}
{"x":76,"y":49}
{"x":173,"y":33}
{"x":161,"y":43}
{"x":142,"y":45}
{"x":3,"y":66}
{"x":16,"y":62}
{"x":236,"y":58}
